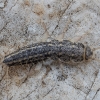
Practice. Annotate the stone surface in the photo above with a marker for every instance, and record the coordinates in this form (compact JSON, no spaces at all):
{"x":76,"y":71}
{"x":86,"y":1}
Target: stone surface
{"x":23,"y":22}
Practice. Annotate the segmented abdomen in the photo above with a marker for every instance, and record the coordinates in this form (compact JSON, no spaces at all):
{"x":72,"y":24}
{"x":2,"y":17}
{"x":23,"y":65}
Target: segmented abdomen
{"x":65,"y":51}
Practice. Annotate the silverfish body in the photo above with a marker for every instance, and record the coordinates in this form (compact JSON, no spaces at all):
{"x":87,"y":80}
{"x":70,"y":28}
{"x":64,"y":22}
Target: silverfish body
{"x":65,"y":51}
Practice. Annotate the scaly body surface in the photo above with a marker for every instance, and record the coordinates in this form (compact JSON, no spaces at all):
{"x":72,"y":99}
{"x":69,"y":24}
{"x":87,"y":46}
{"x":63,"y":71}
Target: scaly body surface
{"x":63,"y":50}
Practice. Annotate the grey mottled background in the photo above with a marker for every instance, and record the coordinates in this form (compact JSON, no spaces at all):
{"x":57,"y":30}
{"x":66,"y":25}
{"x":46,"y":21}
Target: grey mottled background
{"x":23,"y":22}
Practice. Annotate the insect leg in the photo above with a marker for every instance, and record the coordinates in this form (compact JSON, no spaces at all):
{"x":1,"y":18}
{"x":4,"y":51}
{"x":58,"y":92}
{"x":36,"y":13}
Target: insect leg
{"x":48,"y":68}
{"x":63,"y":76}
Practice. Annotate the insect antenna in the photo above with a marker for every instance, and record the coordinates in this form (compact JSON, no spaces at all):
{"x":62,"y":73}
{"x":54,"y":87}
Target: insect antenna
{"x":94,"y":55}
{"x":7,"y":80}
{"x":94,"y":49}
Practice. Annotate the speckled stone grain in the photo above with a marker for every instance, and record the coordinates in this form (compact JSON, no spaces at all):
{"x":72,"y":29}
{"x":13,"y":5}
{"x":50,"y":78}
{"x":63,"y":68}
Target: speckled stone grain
{"x":25,"y":22}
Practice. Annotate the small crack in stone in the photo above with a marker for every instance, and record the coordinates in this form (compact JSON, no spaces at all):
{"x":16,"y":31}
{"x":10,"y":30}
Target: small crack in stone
{"x":61,"y":17}
{"x":4,"y":26}
{"x":48,"y":92}
{"x":96,"y":93}
{"x":27,"y":95}
{"x":77,"y":88}
{"x":91,"y":85}
{"x":13,"y":6}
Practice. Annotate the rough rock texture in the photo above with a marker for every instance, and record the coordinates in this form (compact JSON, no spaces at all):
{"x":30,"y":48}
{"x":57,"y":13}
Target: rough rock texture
{"x":23,"y":22}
